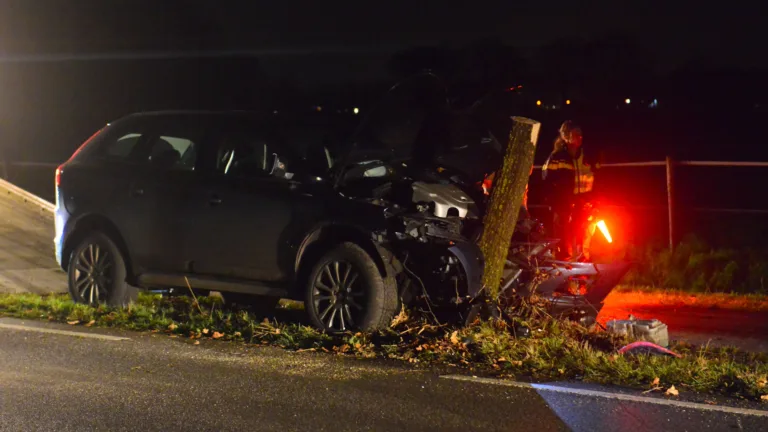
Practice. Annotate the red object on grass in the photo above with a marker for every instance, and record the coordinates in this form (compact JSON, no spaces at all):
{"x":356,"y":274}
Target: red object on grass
{"x":643,"y":347}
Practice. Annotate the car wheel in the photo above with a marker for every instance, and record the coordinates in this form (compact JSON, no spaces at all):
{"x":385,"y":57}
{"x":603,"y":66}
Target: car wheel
{"x":97,"y":273}
{"x":345,"y":291}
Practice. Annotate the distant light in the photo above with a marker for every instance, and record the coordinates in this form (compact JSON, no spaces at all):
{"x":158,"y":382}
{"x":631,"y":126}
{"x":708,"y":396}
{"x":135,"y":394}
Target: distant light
{"x":319,"y":108}
{"x":627,"y":101}
{"x":274,"y":112}
{"x":356,"y":110}
{"x":519,"y":86}
{"x":538,"y":103}
{"x":567,"y":101}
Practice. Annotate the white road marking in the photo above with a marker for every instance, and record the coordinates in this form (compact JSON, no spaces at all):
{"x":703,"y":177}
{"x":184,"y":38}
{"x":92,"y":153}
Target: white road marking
{"x":608,"y":395}
{"x":63,"y":332}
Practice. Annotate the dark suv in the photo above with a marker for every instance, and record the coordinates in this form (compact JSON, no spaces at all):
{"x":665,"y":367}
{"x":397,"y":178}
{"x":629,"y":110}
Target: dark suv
{"x":222,"y":201}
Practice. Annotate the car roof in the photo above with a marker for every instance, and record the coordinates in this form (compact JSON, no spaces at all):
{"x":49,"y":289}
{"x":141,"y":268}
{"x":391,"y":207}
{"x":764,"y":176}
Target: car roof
{"x":195,"y":113}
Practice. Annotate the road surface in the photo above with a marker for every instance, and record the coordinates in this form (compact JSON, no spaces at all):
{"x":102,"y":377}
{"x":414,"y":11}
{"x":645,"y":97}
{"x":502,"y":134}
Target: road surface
{"x":27,"y":262}
{"x":61,"y":382}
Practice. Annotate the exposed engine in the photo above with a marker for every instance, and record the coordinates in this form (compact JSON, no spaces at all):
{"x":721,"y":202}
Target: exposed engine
{"x":445,"y":199}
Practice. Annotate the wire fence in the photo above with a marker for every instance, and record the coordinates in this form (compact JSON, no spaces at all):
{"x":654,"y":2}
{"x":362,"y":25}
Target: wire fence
{"x":670,"y":165}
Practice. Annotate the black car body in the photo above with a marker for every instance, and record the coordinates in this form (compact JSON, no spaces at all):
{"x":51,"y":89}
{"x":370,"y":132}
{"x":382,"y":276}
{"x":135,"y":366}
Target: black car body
{"x":224,"y":201}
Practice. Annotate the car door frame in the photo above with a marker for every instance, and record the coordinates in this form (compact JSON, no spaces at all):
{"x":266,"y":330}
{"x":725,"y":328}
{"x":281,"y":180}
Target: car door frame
{"x":164,"y":193}
{"x":214,"y":192}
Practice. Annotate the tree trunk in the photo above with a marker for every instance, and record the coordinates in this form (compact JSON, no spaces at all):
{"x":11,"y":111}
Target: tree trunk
{"x":507,"y":199}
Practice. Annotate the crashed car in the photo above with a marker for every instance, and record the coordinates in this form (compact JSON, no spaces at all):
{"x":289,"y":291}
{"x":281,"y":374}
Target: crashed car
{"x":226,"y":202}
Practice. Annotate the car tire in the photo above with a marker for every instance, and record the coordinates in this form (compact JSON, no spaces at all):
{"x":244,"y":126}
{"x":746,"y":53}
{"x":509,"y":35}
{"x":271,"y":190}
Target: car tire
{"x":346,"y":292}
{"x":97,"y":273}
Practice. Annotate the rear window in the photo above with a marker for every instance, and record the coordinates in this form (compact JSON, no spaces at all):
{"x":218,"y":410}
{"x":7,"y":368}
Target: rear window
{"x":122,"y":147}
{"x":118,"y":141}
{"x":173,"y":152}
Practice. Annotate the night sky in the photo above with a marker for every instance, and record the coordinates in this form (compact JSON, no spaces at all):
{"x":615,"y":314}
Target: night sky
{"x":355,"y":39}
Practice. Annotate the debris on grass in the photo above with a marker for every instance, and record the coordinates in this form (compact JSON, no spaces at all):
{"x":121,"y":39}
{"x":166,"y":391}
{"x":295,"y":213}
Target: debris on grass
{"x":672,"y":391}
{"x":560,"y":350}
{"x":643,"y":347}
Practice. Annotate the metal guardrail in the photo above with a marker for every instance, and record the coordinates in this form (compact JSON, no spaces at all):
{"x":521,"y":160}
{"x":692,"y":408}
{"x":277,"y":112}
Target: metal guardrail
{"x":34,"y":164}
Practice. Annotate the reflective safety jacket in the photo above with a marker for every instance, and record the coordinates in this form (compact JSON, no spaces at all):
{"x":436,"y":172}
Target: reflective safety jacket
{"x":568,"y":176}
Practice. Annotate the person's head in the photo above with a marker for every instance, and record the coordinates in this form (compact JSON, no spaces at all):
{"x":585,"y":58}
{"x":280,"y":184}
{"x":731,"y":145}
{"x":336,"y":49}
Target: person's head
{"x":572,"y":135}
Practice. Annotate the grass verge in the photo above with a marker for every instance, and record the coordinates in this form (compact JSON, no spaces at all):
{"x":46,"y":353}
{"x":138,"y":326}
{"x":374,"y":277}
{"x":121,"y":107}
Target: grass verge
{"x":555,"y":349}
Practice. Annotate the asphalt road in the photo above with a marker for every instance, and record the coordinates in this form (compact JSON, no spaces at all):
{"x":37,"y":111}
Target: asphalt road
{"x":27,"y":262}
{"x":59,"y":382}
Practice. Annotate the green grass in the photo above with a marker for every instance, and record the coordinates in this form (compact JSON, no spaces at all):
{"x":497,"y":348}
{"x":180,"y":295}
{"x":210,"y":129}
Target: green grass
{"x":555,"y":350}
{"x":694,"y":266}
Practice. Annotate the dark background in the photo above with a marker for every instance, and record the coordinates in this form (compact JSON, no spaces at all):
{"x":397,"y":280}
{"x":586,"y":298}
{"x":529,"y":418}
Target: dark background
{"x":68,"y":67}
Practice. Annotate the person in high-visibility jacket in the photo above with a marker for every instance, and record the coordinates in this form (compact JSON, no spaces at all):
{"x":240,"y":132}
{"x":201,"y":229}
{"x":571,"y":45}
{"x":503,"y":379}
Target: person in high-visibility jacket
{"x":570,"y":178}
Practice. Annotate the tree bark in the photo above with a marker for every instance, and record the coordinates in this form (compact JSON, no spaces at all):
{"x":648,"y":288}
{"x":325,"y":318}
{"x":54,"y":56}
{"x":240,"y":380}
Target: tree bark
{"x":507,"y":199}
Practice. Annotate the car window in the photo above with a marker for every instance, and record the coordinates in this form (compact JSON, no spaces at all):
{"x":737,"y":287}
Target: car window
{"x":244,"y":156}
{"x":120,"y":146}
{"x":172,"y":152}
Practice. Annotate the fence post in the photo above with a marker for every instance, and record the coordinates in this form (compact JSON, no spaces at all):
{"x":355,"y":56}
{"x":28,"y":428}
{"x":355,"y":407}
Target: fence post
{"x":670,"y":204}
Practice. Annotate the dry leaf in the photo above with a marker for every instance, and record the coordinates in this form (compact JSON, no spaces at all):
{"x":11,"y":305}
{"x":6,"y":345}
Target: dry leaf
{"x":217,"y":335}
{"x":502,"y":359}
{"x":655,"y":382}
{"x":358,"y":346}
{"x":172,"y":326}
{"x":277,"y":331}
{"x":672,"y":391}
{"x":455,"y":337}
{"x":238,"y":334}
{"x":90,"y":323}
{"x":205,"y":331}
{"x":762,"y":383}
{"x":517,"y":362}
{"x":73,"y":322}
{"x":196,"y":343}
{"x":764,"y":397}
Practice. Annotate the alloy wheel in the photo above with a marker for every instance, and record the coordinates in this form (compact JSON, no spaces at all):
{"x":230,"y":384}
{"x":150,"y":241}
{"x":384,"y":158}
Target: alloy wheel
{"x":93,"y":274}
{"x":338,"y":296}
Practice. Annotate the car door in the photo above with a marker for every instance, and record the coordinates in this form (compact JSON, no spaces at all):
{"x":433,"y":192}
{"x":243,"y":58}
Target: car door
{"x":101,"y":181}
{"x":159,"y":190}
{"x":238,"y":215}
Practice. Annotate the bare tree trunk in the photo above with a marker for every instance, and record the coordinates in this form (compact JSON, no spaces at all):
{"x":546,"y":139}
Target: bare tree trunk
{"x":507,"y":199}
